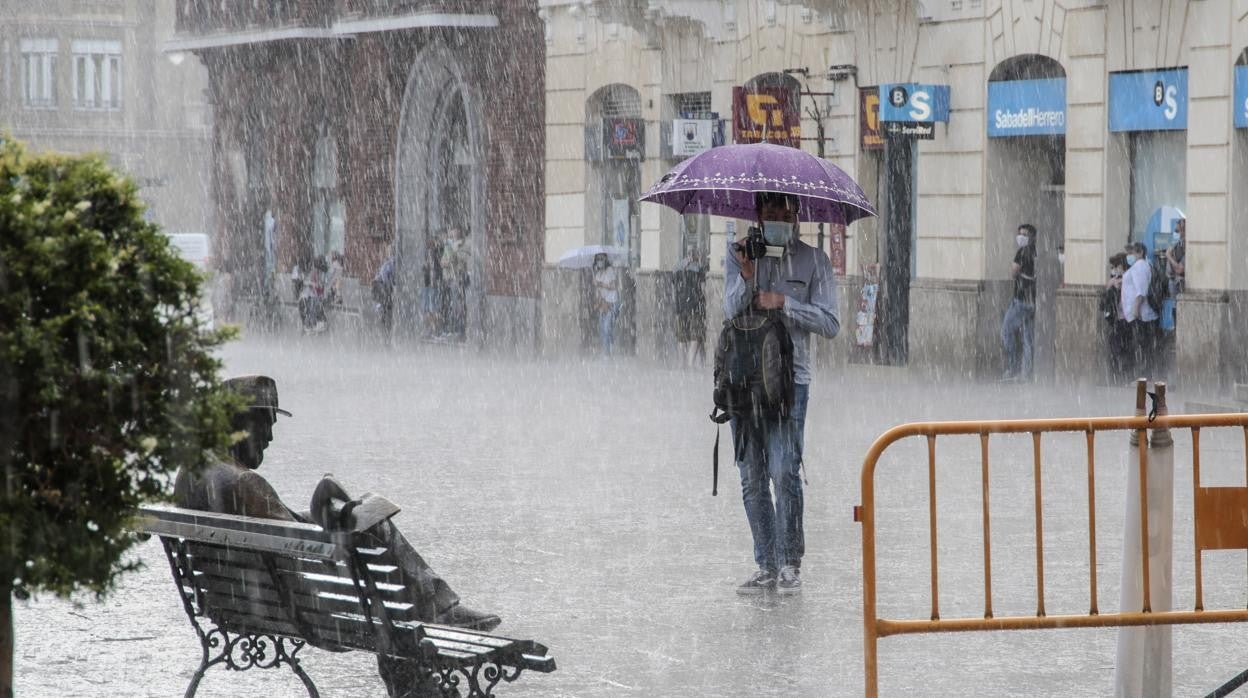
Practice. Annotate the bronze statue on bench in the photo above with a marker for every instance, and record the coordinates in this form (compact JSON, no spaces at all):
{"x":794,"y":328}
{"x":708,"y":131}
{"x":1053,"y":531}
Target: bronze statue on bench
{"x":234,"y":487}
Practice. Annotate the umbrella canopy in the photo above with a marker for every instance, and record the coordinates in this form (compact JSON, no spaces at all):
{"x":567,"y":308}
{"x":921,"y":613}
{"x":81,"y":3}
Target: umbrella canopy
{"x":723,"y":181}
{"x":583,"y":257}
{"x":1163,"y":219}
{"x":1161,"y":223}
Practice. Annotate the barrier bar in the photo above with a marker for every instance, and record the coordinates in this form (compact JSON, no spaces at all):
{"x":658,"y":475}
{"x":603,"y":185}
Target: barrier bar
{"x":1091,"y":435}
{"x":1144,"y":539}
{"x":983,"y":454}
{"x":1035,"y":448}
{"x":956,"y":625}
{"x":931,"y":520}
{"x":1200,"y":580}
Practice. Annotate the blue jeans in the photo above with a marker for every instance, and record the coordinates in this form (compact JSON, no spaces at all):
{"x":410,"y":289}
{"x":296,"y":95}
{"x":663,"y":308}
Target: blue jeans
{"x":1020,"y":319}
{"x":773,"y":458}
{"x":606,"y":327}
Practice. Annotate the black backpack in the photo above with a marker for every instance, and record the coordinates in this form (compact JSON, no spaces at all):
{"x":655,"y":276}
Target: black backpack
{"x":753,"y":373}
{"x":1158,"y":287}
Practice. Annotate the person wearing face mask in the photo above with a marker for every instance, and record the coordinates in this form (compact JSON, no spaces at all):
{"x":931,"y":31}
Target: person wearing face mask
{"x":1136,"y":311}
{"x":800,"y":285}
{"x":1018,"y":328}
{"x":606,"y":300}
{"x":1176,"y":272}
{"x":1117,"y":332}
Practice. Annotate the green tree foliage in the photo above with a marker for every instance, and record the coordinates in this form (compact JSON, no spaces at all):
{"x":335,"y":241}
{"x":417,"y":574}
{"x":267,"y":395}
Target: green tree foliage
{"x":108,"y":382}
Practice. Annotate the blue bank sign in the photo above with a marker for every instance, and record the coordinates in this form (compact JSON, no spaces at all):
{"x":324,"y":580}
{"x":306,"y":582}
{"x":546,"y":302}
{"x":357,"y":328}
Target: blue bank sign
{"x":1148,"y":100}
{"x":1241,"y":96}
{"x":1027,"y":107}
{"x":912,"y":109}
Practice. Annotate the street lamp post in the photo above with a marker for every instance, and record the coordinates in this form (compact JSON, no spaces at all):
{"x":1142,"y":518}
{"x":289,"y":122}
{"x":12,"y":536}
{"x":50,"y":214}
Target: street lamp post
{"x":814,"y":112}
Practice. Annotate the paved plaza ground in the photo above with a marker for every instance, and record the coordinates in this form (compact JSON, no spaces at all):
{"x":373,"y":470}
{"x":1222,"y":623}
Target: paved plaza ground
{"x":573,"y":499}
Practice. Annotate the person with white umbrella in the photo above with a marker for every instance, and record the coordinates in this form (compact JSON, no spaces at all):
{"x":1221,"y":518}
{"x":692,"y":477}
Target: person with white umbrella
{"x":603,"y":261}
{"x":606,"y":300}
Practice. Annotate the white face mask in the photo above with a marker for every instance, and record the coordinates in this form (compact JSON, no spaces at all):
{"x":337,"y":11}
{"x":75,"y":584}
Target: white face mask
{"x":1132,"y":259}
{"x":1021,"y":240}
{"x":777,"y":233}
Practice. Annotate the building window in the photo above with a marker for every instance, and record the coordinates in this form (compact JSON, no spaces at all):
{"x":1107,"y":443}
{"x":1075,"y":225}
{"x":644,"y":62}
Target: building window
{"x":97,"y":74}
{"x":693,"y":103}
{"x":38,"y":73}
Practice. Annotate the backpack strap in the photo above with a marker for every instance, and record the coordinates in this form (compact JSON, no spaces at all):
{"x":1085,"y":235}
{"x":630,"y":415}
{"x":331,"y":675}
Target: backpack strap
{"x":715,"y":463}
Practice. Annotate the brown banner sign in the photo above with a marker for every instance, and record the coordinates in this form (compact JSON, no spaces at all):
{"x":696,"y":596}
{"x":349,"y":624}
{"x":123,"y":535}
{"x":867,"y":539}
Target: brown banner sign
{"x":766,"y":115}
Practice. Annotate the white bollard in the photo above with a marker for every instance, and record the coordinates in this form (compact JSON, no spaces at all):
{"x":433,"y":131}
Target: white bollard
{"x":1143,"y":667}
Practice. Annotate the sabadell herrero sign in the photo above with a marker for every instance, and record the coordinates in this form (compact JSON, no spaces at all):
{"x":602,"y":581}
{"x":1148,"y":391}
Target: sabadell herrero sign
{"x":1027,"y":108}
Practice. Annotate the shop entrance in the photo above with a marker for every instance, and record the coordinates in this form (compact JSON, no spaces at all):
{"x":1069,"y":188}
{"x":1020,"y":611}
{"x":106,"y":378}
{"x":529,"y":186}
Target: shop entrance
{"x":1026,"y":184}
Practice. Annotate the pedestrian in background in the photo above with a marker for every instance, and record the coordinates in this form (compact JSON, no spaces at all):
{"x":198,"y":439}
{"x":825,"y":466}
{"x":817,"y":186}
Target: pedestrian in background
{"x":1175,"y":268}
{"x":1140,"y":317}
{"x":1117,"y":332}
{"x":1018,"y":329}
{"x":455,"y":278}
{"x":383,"y":289}
{"x":431,"y":289}
{"x":606,"y":300}
{"x":1176,"y":253}
{"x":312,"y":297}
{"x":333,"y":280}
{"x":689,"y":296}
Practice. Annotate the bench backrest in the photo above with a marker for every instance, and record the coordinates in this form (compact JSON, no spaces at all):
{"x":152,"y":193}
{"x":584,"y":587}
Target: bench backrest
{"x":332,"y":589}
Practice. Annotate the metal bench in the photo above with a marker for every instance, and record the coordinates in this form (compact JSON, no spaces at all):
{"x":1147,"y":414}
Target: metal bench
{"x":257,"y":591}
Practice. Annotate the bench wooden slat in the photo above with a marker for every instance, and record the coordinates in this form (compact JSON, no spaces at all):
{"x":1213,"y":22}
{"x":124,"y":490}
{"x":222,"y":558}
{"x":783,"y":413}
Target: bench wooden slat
{"x":284,"y":537}
{"x":314,"y":599}
{"x":389,"y":577}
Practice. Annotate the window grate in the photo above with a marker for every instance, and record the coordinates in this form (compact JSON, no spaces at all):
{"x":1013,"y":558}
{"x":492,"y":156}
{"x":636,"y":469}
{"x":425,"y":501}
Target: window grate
{"x":621,"y":101}
{"x":693,"y":102}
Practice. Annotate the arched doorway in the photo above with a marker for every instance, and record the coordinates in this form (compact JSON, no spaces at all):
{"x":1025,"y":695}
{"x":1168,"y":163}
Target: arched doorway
{"x":439,"y":187}
{"x":611,"y":190}
{"x":1026,"y":184}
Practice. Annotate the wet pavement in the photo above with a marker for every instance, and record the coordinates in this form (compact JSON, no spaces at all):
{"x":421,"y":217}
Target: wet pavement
{"x":573,"y":499}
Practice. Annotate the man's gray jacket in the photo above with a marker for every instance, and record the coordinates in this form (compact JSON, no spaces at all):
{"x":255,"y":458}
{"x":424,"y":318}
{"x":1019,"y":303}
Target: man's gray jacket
{"x":805,"y":276}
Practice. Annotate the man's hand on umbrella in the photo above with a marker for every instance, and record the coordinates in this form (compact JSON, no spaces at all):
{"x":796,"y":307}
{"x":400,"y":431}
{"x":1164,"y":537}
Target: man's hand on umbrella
{"x":745,"y":263}
{"x":769,"y":300}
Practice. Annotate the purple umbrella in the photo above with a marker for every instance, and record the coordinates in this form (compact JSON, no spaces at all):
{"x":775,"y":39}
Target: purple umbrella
{"x":722,"y":181}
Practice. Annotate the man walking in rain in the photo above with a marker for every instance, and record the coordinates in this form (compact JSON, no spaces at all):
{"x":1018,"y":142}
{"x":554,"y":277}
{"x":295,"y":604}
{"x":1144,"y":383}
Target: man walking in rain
{"x":234,"y":487}
{"x":801,"y":285}
{"x":1018,"y":329}
{"x":1140,"y":316}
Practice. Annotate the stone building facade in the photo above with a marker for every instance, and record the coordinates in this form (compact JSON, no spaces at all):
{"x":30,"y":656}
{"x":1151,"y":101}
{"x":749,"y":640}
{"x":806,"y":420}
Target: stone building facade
{"x":368,"y":128}
{"x":949,"y":204}
{"x":89,"y":76}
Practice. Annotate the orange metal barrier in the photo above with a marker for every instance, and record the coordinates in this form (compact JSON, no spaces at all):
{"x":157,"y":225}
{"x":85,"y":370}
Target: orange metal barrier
{"x":1221,"y":523}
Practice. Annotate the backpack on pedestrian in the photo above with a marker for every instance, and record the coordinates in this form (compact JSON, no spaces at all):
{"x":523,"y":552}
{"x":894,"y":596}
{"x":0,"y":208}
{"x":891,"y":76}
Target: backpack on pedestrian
{"x":754,"y":374}
{"x":1158,"y":287}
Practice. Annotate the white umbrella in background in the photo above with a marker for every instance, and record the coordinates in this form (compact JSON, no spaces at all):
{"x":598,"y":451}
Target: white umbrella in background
{"x":583,"y":257}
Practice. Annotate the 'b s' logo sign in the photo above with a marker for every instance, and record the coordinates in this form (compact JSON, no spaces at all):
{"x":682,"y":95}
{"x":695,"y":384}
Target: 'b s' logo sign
{"x":1164,"y":94}
{"x":898,"y":97}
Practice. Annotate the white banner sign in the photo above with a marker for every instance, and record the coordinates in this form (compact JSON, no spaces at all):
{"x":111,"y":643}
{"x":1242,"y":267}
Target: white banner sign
{"x":692,"y":136}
